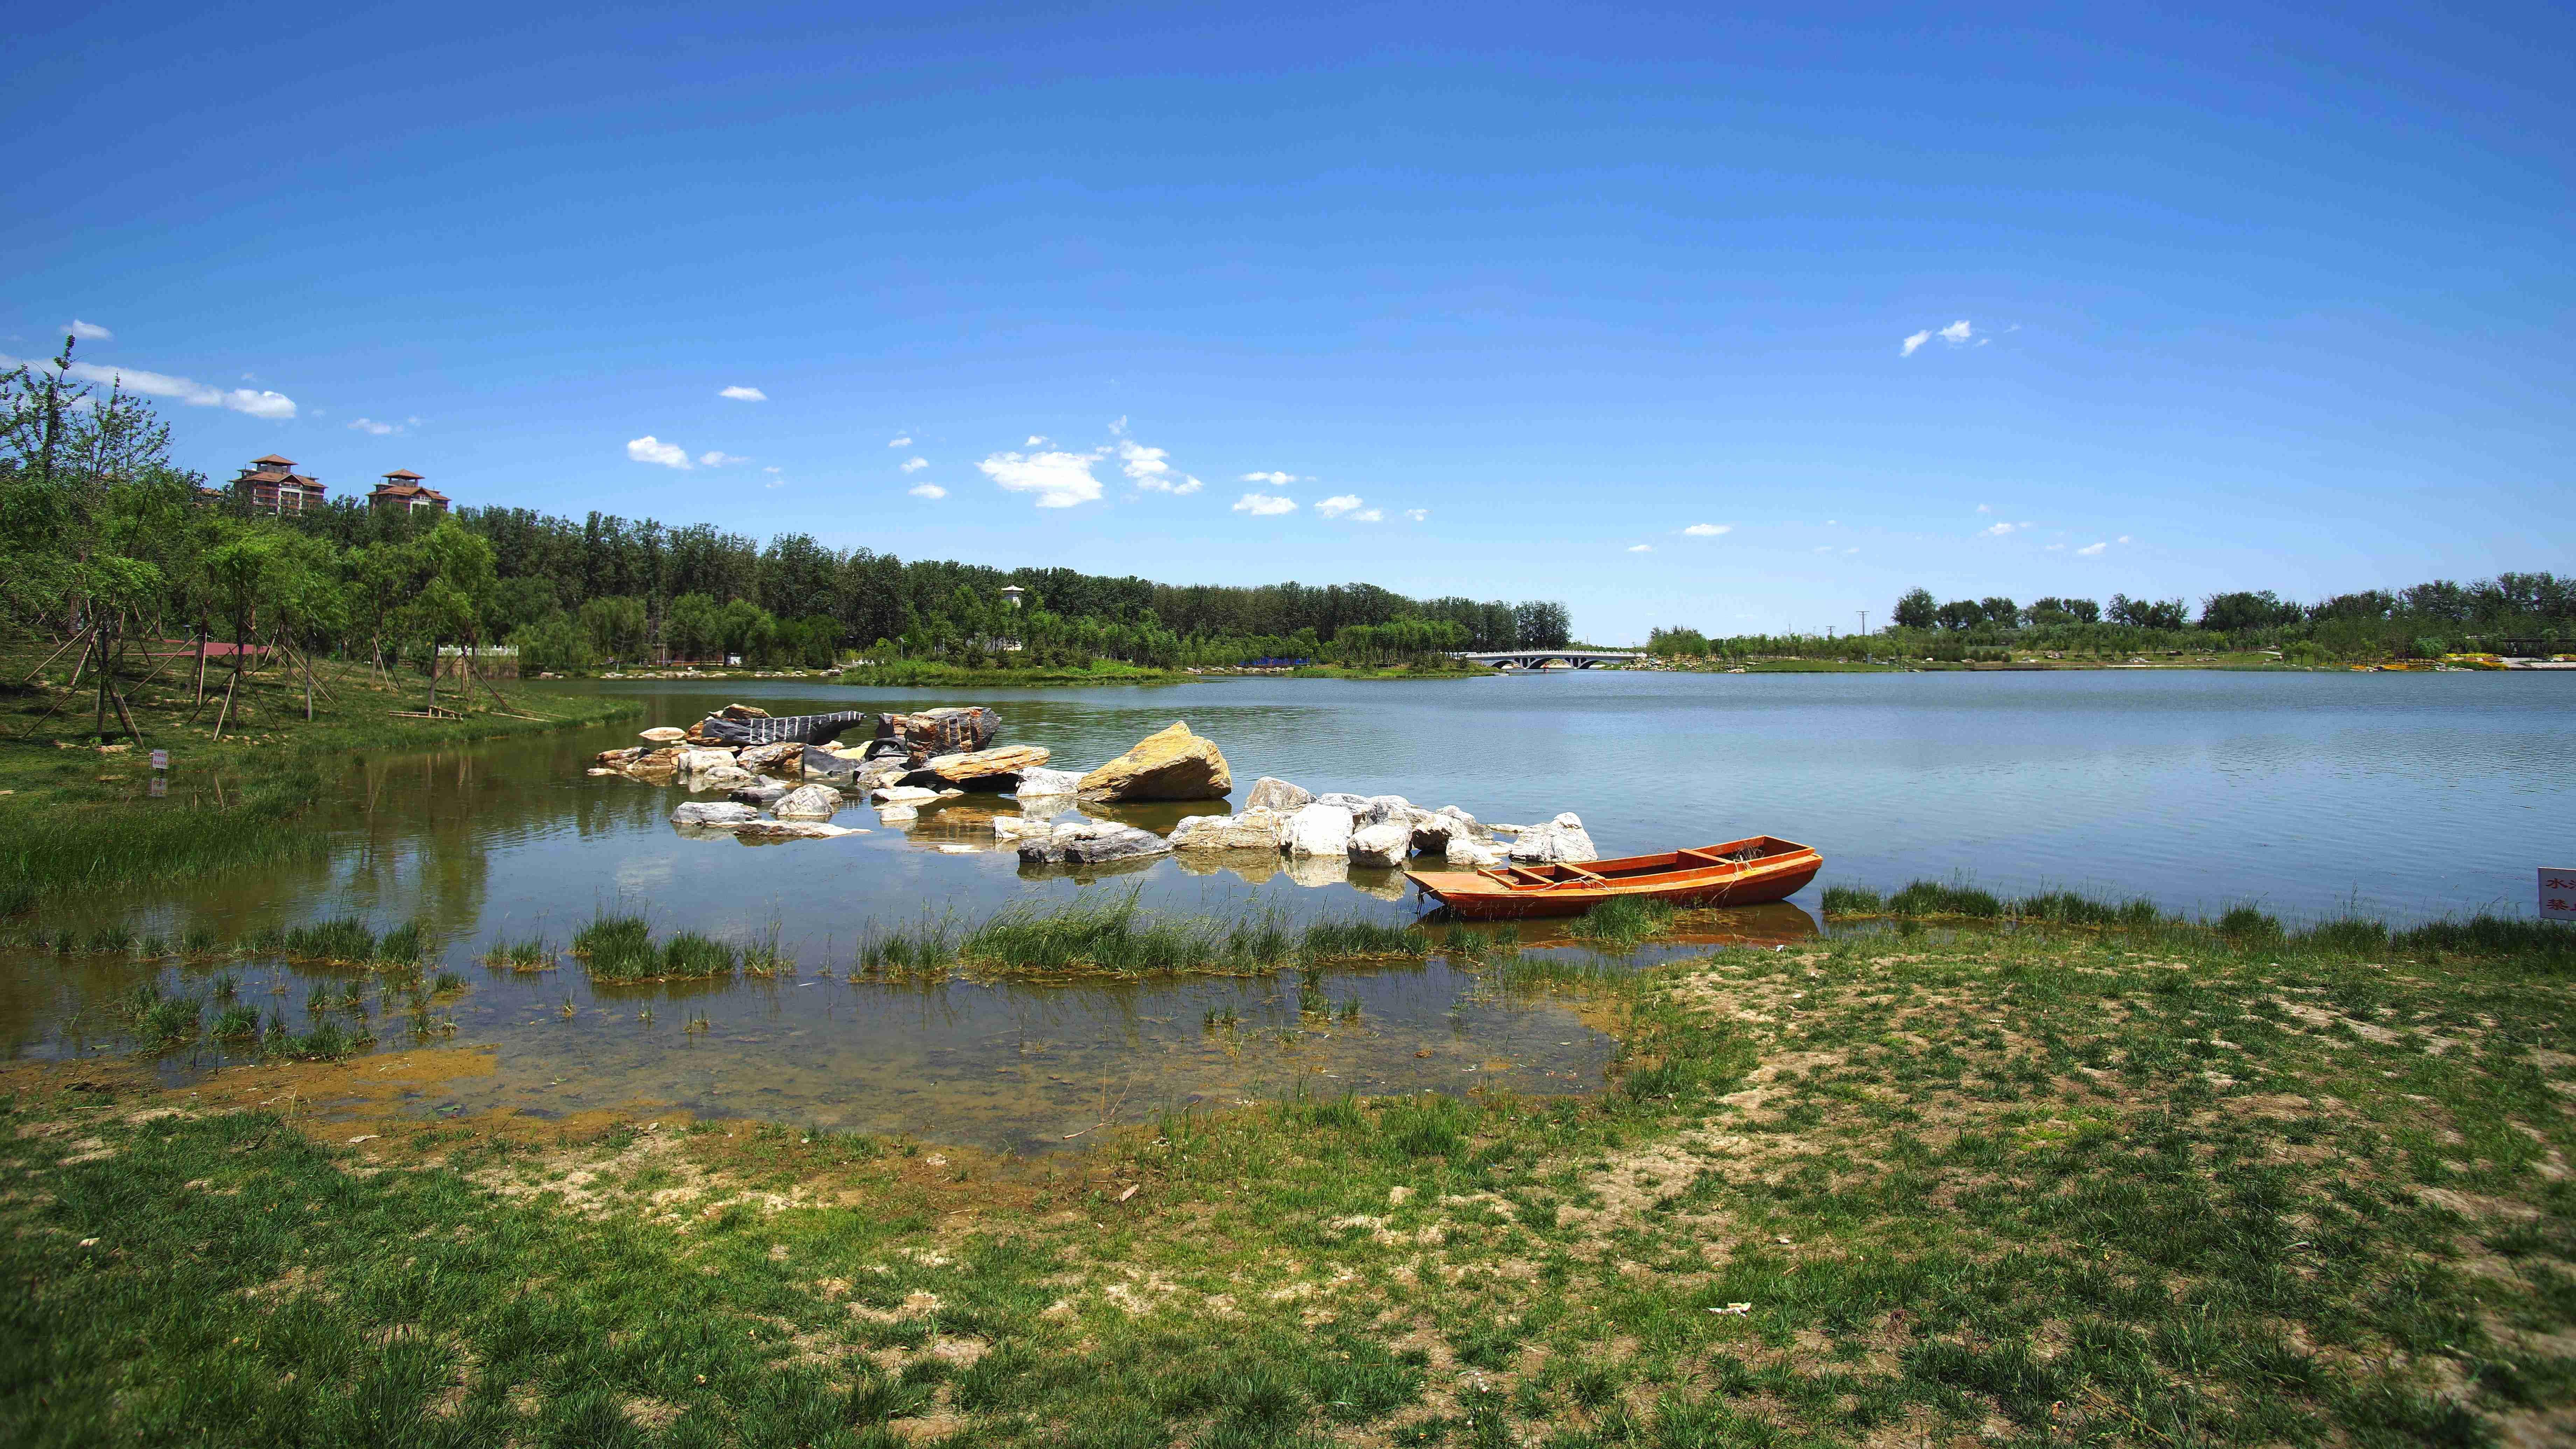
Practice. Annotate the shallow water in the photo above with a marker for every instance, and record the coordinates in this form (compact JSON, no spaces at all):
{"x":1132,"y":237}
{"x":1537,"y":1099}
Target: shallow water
{"x":2400,"y":795}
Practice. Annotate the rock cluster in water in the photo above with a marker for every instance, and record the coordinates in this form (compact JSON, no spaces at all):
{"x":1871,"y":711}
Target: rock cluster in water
{"x":802,"y":776}
{"x":801,"y":773}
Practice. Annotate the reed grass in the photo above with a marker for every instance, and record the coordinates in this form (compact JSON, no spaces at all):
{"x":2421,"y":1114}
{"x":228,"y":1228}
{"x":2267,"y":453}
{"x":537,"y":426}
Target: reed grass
{"x":1117,"y":937}
{"x":621,"y":948}
{"x":2243,"y":927}
{"x":1623,"y":922}
{"x":533,"y":954}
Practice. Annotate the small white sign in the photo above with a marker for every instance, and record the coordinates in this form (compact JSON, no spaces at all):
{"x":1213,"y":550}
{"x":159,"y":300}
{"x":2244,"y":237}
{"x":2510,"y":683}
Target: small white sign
{"x":2558,"y":894}
{"x":160,"y":759}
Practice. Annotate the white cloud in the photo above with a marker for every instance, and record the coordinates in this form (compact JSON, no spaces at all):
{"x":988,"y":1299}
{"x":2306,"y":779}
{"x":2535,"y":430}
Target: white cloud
{"x":650,"y":449}
{"x":271,"y":405}
{"x":1641,"y":548}
{"x":1036,"y":440}
{"x":927,"y":490}
{"x":1708,"y":530}
{"x":1369,"y":515}
{"x":1954,"y":334}
{"x":1417,"y":514}
{"x":2000,"y":529}
{"x":1851,"y":550}
{"x":2091,"y":549}
{"x":90,"y":331}
{"x":915,"y":465}
{"x":739,"y":393}
{"x":718,"y":459}
{"x":902,"y":442}
{"x":2123,"y":538}
{"x":773,"y":468}
{"x":1275,"y":480}
{"x":1060,"y":480}
{"x":1338,"y":504}
{"x":1264,"y":505}
{"x":1985,"y":508}
{"x":1146,"y":466}
{"x":2056,"y":548}
{"x":1118,"y":426}
{"x":370,"y":425}
{"x":1824,"y":548}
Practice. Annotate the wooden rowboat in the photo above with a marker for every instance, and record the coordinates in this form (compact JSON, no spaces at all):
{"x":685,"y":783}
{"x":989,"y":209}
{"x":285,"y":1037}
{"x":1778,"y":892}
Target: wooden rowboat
{"x":1737,"y":873}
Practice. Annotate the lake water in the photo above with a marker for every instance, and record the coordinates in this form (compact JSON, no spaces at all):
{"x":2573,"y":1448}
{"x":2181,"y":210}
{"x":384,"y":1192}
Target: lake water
{"x":2399,"y":795}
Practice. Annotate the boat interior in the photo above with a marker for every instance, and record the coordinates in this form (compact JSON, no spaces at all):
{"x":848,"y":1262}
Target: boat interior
{"x":1733,"y":854}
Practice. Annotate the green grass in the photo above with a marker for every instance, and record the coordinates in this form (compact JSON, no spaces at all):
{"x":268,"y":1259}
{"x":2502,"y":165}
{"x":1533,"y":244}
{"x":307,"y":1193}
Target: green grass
{"x":621,"y":948}
{"x":2239,"y":927}
{"x":920,"y":674}
{"x":1623,"y":922}
{"x":2057,"y":1185}
{"x":533,"y":954}
{"x":77,"y":820}
{"x":1103,"y":933}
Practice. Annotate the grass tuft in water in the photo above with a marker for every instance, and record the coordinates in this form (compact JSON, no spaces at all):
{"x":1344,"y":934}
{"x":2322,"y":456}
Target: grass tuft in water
{"x":533,"y":954}
{"x":615,"y":948}
{"x":1115,"y":936}
{"x":1624,"y":922}
{"x":342,"y":940}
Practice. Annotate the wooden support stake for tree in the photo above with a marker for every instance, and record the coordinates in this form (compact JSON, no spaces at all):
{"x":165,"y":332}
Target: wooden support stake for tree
{"x":201,"y":668}
{"x":127,"y":715}
{"x":226,"y":712}
{"x":57,"y":654}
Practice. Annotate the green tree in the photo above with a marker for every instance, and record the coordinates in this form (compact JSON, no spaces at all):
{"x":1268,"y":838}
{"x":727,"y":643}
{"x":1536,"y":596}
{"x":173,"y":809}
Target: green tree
{"x":1916,"y":609}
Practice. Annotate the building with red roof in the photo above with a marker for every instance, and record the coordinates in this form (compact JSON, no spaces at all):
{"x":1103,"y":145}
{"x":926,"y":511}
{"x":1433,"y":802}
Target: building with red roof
{"x":403,"y":489}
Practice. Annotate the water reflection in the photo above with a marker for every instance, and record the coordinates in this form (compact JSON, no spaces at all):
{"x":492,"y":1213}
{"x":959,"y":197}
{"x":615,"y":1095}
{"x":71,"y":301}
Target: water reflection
{"x":2197,"y":790}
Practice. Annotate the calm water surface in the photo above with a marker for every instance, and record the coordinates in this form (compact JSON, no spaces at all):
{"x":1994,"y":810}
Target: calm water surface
{"x":2400,"y":795}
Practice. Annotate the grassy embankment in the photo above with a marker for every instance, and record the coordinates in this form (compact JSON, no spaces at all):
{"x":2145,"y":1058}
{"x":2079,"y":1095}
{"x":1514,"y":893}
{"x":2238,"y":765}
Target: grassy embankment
{"x":918,"y":674}
{"x":2019,"y":661}
{"x":75,"y":817}
{"x":2148,"y":1185}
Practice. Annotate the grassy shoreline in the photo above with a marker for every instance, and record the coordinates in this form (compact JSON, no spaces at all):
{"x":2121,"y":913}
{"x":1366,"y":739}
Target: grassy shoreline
{"x":76,"y":816}
{"x":2053,"y":1184}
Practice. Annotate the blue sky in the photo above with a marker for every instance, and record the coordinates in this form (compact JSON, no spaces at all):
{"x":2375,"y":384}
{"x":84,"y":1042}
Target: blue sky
{"x":1505,"y":300}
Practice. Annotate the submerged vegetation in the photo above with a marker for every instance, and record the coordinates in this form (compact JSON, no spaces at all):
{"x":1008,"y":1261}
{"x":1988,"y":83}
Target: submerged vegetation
{"x":2065,"y":1183}
{"x":1113,"y":935}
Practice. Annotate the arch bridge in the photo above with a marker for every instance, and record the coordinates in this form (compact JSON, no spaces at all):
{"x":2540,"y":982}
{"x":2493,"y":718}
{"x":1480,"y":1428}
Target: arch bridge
{"x":1534,"y":658}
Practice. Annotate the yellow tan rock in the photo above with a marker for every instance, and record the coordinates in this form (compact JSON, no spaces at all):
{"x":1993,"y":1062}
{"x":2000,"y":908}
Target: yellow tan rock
{"x":1171,"y":765}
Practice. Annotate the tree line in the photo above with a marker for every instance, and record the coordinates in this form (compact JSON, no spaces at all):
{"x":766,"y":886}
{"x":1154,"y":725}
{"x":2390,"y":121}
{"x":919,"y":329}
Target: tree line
{"x":97,"y":522}
{"x":2422,"y":622}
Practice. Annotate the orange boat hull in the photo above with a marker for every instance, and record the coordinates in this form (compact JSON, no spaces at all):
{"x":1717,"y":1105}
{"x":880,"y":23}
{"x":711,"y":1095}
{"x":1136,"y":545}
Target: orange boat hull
{"x":1747,"y":872}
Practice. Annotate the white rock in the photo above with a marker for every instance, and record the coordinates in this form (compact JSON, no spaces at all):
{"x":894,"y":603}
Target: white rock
{"x":1466,"y":854}
{"x":1318,"y":830}
{"x":1016,"y":827}
{"x":1380,"y":809}
{"x":902,"y":795}
{"x":896,"y":814}
{"x":692,"y":762}
{"x":1255,"y":829}
{"x":1271,"y":793}
{"x":1385,"y":844}
{"x":789,"y":830}
{"x":723,"y":777}
{"x":1089,"y":842}
{"x":663,"y":735}
{"x":1344,"y":798}
{"x":712,"y":812}
{"x":1562,"y":839}
{"x":807,"y":802}
{"x":1047,"y":782}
